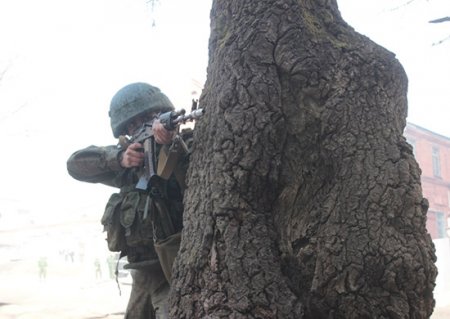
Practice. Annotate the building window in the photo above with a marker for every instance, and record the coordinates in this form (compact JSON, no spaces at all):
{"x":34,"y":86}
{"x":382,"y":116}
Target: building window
{"x":436,"y":161}
{"x":448,"y":200}
{"x":441,"y":224}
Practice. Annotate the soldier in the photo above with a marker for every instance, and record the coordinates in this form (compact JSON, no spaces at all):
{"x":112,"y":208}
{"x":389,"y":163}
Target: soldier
{"x":129,"y":217}
{"x":42,"y":265}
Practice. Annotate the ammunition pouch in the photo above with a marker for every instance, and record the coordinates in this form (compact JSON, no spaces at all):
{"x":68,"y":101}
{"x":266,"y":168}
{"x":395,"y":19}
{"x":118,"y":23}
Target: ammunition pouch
{"x":115,"y":233}
{"x":127,"y":228}
{"x":134,"y":221}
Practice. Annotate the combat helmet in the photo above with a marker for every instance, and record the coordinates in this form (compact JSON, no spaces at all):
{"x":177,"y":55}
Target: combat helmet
{"x":133,"y":100}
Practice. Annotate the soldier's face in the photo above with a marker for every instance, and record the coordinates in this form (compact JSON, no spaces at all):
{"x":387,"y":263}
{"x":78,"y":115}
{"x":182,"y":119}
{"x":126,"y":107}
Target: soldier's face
{"x":135,"y":124}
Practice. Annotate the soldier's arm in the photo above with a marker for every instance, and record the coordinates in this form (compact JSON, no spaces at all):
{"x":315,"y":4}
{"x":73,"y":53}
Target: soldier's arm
{"x":96,"y":164}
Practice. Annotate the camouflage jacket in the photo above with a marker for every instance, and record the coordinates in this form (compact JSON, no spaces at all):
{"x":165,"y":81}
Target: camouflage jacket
{"x":126,"y":217}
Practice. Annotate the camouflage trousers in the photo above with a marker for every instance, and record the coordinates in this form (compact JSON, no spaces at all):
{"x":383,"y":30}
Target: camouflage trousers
{"x":149,"y":293}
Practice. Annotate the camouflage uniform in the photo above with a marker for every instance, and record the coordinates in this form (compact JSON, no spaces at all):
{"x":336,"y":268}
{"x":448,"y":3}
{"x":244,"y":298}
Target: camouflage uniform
{"x":135,"y":237}
{"x":128,"y":222}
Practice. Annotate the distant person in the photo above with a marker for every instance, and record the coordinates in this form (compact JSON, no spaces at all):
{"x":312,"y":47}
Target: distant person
{"x":42,"y":267}
{"x":98,"y":269}
{"x":131,"y":216}
{"x":112,"y":264}
{"x":72,"y":256}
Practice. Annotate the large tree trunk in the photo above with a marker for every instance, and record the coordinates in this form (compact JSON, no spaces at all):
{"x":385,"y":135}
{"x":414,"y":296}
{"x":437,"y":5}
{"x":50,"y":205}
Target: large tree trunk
{"x":304,"y":199}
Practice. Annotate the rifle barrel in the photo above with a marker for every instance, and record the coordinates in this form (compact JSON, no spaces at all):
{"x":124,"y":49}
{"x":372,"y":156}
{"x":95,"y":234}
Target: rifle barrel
{"x":189,"y":117}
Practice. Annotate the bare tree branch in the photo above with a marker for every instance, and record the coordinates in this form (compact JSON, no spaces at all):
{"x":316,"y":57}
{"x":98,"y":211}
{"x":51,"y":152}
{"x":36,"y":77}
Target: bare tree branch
{"x":441,"y":41}
{"x":153,"y":4}
{"x":2,"y":73}
{"x":13,"y":112}
{"x":403,"y":5}
{"x":440,"y":20}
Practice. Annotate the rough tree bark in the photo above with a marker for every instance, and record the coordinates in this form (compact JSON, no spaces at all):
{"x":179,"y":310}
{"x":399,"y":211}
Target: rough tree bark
{"x":304,"y":199}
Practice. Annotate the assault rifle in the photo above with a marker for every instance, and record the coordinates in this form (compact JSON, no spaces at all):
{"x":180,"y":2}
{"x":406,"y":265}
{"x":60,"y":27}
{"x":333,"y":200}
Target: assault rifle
{"x":171,"y":121}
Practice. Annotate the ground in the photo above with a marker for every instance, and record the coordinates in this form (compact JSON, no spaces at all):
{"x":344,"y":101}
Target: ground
{"x":59,"y":271}
{"x":63,"y":272}
{"x":70,"y":293}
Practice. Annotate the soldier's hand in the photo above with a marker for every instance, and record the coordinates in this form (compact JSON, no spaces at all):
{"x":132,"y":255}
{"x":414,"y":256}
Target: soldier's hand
{"x":162,"y":136}
{"x":132,"y":156}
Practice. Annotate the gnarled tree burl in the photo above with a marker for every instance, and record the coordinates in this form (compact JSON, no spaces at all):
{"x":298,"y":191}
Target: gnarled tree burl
{"x":304,"y":199}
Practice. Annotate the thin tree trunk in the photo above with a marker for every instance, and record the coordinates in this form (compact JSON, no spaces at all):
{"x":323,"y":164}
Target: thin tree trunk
{"x":304,"y":199}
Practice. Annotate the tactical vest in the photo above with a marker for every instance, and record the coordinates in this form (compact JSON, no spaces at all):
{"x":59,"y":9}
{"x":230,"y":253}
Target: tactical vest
{"x":137,"y":221}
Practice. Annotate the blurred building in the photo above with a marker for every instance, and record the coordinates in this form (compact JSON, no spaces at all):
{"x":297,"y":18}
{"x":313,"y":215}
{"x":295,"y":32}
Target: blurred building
{"x":432,"y":152}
